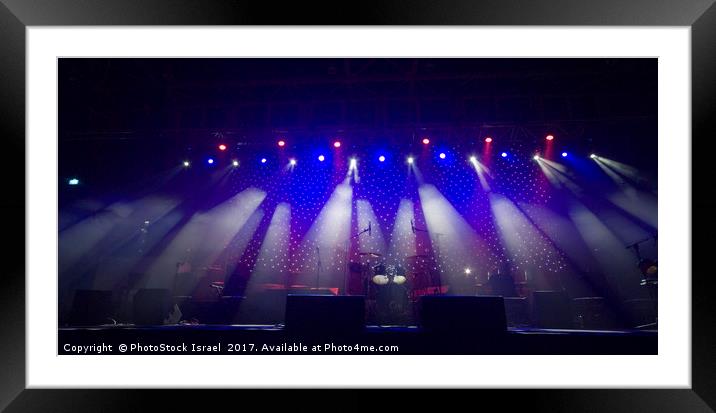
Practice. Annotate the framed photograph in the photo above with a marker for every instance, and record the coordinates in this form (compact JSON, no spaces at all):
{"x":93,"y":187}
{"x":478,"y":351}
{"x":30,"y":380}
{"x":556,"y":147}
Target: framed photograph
{"x":473,"y":196}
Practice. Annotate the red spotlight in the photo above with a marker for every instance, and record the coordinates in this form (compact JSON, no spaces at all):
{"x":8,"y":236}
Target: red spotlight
{"x":549,"y":137}
{"x":337,"y":144}
{"x":222,"y":147}
{"x":488,"y":139}
{"x":281,"y":143}
{"x":426,"y":141}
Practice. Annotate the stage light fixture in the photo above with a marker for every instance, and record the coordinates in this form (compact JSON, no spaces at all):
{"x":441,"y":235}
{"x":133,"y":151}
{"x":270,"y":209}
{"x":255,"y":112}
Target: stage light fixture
{"x":354,"y":163}
{"x":549,"y":137}
{"x":381,"y":158}
{"x":281,"y":143}
{"x":503,"y":154}
{"x":593,"y":156}
{"x":337,"y":144}
{"x":235,"y":162}
{"x":321,"y":158}
{"x":442,"y":155}
{"x":426,"y":141}
{"x":473,"y":159}
{"x":210,"y":161}
{"x":536,"y":157}
{"x":564,"y":154}
{"x":292,"y":162}
{"x":186,"y":164}
{"x":74,"y":181}
{"x":222,"y":147}
{"x":468,"y":271}
{"x":488,"y":139}
{"x":263,"y":160}
{"x":410,"y":160}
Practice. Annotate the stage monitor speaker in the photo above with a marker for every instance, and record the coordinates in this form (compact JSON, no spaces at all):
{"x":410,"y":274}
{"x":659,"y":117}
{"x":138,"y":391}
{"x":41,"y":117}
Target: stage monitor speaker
{"x":551,"y":309}
{"x":91,"y":308}
{"x":325,"y":314}
{"x":641,"y":311}
{"x":592,"y":313}
{"x":517,"y":311}
{"x":151,"y":306}
{"x":444,"y":313}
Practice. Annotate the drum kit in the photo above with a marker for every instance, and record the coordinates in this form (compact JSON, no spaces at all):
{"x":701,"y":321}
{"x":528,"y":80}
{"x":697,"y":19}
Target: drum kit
{"x":388,"y":274}
{"x":422,"y":271}
{"x":389,"y":288}
{"x":372,"y":267}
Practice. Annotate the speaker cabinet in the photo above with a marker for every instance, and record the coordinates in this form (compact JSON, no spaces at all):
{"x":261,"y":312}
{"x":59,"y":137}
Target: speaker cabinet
{"x":551,"y":309}
{"x":517,"y":311}
{"x":91,"y":308}
{"x":151,"y":306}
{"x":592,"y":313}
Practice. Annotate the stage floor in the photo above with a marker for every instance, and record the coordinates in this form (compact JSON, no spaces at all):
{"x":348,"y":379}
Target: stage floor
{"x":385,"y":340}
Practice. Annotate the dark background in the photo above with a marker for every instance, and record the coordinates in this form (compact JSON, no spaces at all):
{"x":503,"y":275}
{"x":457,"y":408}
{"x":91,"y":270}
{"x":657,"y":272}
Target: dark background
{"x":122,"y":119}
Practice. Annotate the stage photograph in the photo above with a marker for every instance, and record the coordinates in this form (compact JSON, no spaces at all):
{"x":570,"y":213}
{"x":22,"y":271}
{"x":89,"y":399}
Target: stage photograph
{"x":357,"y":206}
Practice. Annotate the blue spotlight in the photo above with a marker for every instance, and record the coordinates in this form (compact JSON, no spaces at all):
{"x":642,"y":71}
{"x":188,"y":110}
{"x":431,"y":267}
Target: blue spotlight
{"x":503,"y":154}
{"x":321,"y":158}
{"x":263,"y":160}
{"x":74,"y":181}
{"x":381,"y":158}
{"x":210,"y":161}
{"x":564,"y":154}
{"x":442,"y":155}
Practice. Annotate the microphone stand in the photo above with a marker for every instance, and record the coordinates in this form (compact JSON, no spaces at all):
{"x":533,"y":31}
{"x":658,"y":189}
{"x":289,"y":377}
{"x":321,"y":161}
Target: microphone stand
{"x":348,"y":255}
{"x":645,"y":281}
{"x":318,"y":268}
{"x":437,"y":247}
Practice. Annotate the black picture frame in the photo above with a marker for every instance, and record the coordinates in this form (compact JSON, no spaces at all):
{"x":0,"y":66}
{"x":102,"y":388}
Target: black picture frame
{"x":16,"y":15}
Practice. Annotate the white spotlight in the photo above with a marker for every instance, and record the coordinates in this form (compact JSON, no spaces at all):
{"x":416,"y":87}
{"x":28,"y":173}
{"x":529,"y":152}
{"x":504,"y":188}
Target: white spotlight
{"x":473,"y":159}
{"x":536,"y":157}
{"x":235,"y":162}
{"x":593,"y":156}
{"x":410,"y":160}
{"x":292,"y":162}
{"x":468,"y":271}
{"x":354,"y":163}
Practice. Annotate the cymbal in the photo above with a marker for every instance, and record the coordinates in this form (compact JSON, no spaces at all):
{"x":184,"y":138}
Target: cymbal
{"x":372,"y":254}
{"x":419,"y":256}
